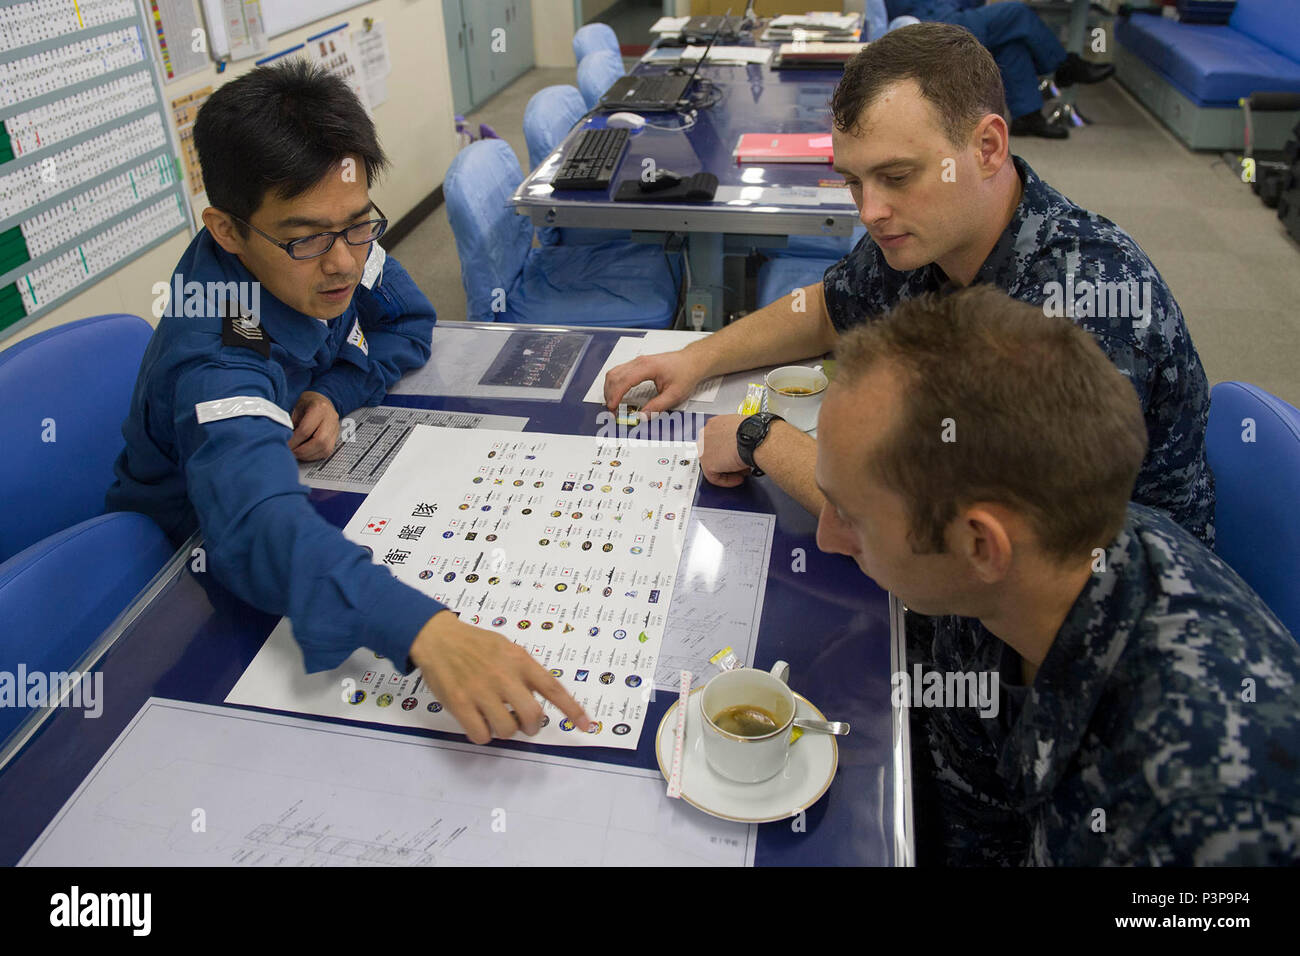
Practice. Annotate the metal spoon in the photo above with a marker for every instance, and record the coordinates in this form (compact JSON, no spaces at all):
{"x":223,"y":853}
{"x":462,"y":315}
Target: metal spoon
{"x":837,"y":727}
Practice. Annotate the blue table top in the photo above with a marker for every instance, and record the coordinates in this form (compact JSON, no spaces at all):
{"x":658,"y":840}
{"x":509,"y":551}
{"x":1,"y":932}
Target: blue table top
{"x":749,"y":99}
{"x":191,"y":640}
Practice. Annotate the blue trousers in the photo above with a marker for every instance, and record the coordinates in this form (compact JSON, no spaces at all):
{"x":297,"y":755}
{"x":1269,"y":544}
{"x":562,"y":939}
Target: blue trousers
{"x":1022,"y":46}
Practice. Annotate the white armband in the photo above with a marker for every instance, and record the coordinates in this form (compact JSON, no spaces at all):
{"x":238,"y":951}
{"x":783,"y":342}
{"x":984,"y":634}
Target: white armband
{"x":239,"y":405}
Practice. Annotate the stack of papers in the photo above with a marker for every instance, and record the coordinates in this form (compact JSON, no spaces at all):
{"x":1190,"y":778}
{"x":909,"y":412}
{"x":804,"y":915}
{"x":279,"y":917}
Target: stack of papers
{"x":800,"y":53}
{"x":814,"y":26}
{"x":719,"y":55}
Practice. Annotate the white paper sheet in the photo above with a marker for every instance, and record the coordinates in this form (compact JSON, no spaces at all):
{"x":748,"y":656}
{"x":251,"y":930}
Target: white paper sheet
{"x":378,"y":434}
{"x":629,"y":347}
{"x":530,"y":364}
{"x":718,"y":599}
{"x":567,"y":545}
{"x":371,"y":47}
{"x":194,"y":785}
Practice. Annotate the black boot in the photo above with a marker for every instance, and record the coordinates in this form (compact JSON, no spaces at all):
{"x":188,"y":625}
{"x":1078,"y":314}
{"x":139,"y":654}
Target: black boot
{"x":1078,"y":70}
{"x":1036,"y":124}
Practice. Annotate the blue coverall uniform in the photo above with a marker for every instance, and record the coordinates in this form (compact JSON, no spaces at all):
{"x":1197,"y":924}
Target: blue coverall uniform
{"x":1022,"y":45}
{"x":207,"y":445}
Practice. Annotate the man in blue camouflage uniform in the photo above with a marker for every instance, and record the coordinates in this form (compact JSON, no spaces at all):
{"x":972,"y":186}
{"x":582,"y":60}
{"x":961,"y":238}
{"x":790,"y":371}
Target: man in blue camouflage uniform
{"x":1024,"y":49}
{"x":284,"y":315}
{"x":1148,"y":702}
{"x":920,"y":138}
{"x":1057,"y":254}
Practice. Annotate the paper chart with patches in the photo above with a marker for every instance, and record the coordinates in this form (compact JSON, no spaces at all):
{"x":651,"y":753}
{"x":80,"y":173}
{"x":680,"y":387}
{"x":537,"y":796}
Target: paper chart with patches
{"x":378,"y":434}
{"x":567,"y":545}
{"x":196,"y":785}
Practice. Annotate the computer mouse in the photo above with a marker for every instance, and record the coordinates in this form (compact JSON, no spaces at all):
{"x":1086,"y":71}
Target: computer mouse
{"x":624,"y":121}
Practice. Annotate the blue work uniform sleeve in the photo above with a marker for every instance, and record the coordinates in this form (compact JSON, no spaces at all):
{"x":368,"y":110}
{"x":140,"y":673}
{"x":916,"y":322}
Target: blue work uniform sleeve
{"x":397,"y":320}
{"x":265,"y":541}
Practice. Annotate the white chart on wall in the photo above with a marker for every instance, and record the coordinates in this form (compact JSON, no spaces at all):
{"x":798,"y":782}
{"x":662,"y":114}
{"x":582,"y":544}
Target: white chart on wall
{"x":278,"y":17}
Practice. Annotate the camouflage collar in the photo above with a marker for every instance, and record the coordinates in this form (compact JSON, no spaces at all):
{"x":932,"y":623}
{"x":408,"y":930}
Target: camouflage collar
{"x":1012,"y":252}
{"x":1059,"y":706}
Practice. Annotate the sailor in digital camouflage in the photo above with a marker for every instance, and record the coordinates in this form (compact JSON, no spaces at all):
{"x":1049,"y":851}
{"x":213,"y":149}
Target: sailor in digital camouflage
{"x":1051,"y":252}
{"x":1163,"y":727}
{"x":1147,"y":707}
{"x":1080,"y":265}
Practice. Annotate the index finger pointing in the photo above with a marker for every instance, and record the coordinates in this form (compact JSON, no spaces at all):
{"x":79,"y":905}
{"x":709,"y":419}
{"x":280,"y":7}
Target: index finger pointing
{"x":554,"y":691}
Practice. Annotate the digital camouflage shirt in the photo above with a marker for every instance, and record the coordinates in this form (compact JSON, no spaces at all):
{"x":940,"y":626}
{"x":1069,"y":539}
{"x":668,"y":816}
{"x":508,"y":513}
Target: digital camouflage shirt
{"x":1080,"y":265}
{"x":1162,"y":728}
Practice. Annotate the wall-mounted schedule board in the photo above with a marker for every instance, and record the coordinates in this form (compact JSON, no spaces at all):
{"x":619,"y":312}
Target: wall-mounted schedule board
{"x":88,"y":175}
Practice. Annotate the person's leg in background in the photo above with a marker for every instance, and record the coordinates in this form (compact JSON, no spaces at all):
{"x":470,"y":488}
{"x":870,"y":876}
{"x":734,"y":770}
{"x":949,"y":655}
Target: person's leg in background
{"x":1024,"y":101}
{"x":1026,"y":49}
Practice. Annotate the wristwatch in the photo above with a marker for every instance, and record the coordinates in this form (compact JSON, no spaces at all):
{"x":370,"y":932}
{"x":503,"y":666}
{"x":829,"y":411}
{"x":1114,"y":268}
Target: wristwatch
{"x":750,"y":435}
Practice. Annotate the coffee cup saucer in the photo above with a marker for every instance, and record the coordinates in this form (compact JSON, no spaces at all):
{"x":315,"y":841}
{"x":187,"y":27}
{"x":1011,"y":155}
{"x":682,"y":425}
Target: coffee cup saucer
{"x":809,"y":769}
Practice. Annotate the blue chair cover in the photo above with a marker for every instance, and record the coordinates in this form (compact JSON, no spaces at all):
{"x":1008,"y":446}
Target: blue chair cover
{"x":780,"y":275}
{"x":593,"y":37}
{"x":71,"y":383}
{"x":597,"y":73}
{"x":820,"y":247}
{"x":491,"y":239}
{"x":615,"y":284}
{"x":60,"y":594}
{"x":548,"y":117}
{"x":1257,"y":486}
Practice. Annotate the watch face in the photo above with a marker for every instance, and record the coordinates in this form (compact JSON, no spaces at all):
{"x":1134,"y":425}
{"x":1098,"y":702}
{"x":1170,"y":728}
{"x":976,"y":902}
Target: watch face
{"x":751,"y":428}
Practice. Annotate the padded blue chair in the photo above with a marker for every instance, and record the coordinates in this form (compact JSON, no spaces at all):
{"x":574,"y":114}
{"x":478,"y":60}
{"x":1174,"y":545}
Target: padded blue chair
{"x":596,"y":73}
{"x":613,"y":284}
{"x":60,"y":594}
{"x":548,"y":117}
{"x":904,"y":21}
{"x":593,"y":37}
{"x":1258,"y":489}
{"x":72,"y":384}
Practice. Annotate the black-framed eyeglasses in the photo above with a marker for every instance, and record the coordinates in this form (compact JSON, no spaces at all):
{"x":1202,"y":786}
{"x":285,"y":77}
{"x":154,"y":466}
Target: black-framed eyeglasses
{"x":309,"y":247}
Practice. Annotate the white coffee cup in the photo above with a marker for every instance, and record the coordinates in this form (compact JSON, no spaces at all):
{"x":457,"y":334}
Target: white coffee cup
{"x":799,"y":410}
{"x":748,"y":759}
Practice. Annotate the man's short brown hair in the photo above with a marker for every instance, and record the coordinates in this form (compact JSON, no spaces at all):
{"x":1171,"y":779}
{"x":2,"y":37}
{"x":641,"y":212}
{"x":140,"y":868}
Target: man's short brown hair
{"x":1001,"y":403}
{"x":954,"y":70}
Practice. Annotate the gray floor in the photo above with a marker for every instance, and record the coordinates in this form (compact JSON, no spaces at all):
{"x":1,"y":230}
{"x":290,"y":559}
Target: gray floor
{"x":1227,"y":259}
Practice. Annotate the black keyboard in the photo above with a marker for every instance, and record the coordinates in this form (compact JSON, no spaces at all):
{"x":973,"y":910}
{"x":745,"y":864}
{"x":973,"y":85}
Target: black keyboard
{"x":592,"y":159}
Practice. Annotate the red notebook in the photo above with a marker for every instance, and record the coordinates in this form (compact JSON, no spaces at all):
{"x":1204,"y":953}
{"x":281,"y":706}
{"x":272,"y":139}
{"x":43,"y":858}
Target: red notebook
{"x":784,"y":148}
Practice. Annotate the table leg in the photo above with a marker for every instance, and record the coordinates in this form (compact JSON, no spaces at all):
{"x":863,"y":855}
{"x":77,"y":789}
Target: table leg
{"x":704,"y":294}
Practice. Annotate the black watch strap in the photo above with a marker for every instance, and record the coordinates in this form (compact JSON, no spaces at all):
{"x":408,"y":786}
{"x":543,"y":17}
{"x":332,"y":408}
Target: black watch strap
{"x":752,"y":433}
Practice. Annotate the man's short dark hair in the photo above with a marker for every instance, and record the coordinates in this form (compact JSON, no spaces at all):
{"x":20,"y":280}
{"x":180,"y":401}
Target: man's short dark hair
{"x":954,"y":70}
{"x":280,"y":129}
{"x":1001,"y":403}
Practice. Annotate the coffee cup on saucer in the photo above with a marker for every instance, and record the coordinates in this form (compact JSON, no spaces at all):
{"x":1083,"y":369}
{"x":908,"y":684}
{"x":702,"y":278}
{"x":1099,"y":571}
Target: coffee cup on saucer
{"x":795,"y":393}
{"x":748,"y":715}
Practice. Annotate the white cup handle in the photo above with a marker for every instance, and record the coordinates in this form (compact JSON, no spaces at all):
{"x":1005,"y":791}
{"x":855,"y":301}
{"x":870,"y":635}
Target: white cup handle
{"x":781,"y":671}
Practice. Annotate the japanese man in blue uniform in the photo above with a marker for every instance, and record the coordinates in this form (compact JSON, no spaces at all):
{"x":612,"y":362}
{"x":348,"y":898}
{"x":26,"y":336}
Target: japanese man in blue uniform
{"x":1145,"y":703}
{"x":1024,"y":49}
{"x":286,"y":314}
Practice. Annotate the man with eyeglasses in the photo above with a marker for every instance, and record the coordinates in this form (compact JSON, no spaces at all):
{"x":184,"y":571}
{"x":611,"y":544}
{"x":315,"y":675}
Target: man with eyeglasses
{"x":301,"y":318}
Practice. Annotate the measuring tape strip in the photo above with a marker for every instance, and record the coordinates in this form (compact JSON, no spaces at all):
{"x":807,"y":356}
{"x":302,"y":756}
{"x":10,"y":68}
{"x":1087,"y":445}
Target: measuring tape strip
{"x":679,"y":737}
